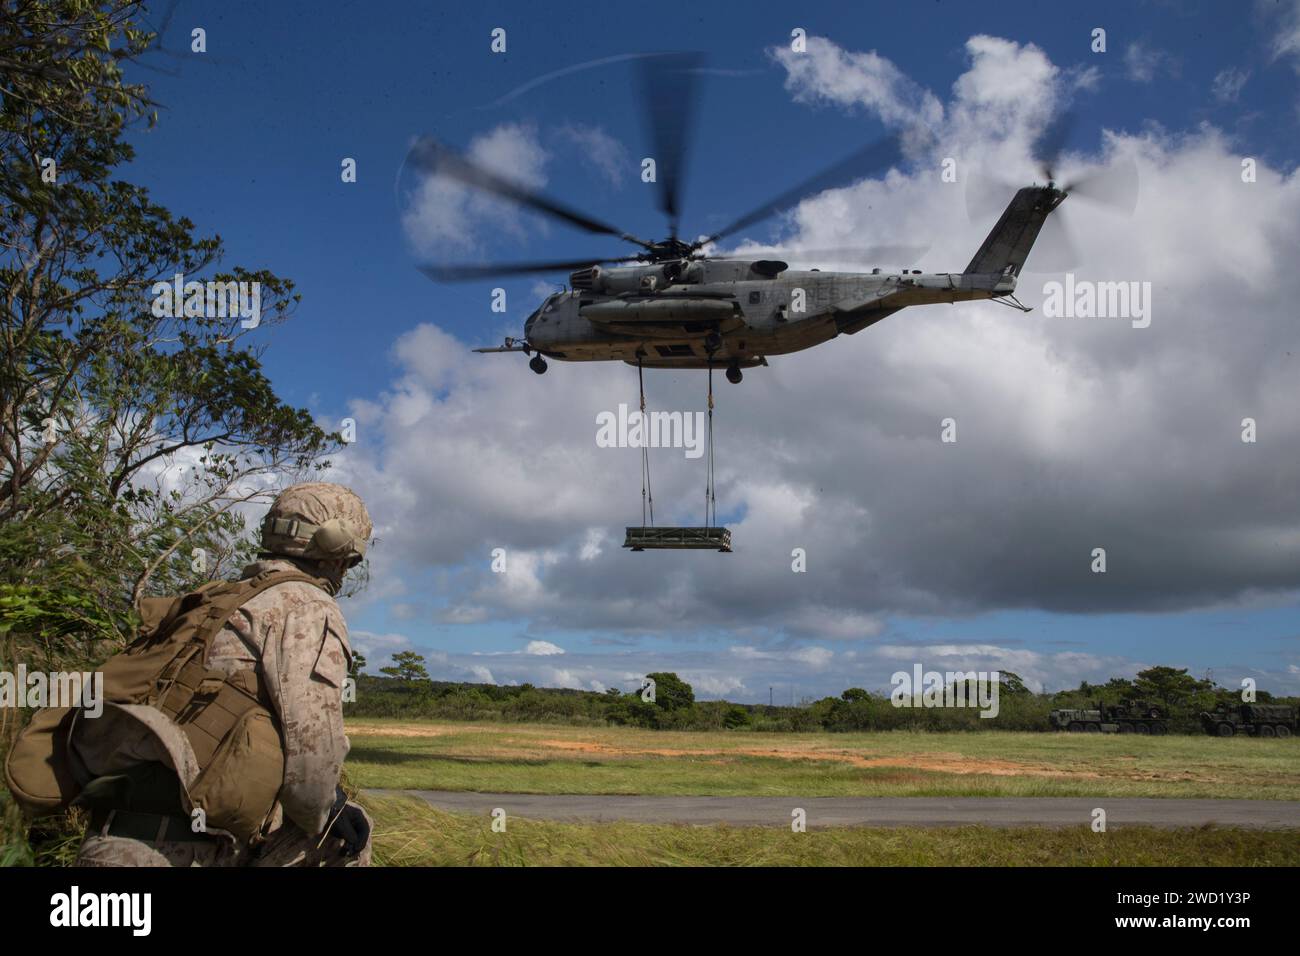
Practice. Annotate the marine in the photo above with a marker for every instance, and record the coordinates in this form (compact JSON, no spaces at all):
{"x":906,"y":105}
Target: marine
{"x":289,"y":642}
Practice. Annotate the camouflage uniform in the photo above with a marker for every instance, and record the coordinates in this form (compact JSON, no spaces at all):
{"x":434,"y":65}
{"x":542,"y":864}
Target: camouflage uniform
{"x":296,"y":633}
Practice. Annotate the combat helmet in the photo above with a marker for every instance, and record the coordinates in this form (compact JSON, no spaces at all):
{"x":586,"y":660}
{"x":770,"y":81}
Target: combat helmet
{"x":317,"y":521}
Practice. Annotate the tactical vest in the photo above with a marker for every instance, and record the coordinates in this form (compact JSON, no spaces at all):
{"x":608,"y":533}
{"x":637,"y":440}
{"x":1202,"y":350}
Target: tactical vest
{"x":226,"y":718}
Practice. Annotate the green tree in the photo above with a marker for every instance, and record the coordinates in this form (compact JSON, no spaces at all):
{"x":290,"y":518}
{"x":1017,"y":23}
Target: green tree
{"x":1013,"y":684}
{"x":128,"y":440}
{"x":671,"y":692}
{"x":407,"y":665}
{"x":736,"y":716}
{"x":855,"y":693}
{"x":1171,"y":686}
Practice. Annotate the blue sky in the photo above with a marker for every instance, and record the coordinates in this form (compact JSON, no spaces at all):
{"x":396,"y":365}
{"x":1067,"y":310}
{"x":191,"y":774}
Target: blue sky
{"x":460,"y":453}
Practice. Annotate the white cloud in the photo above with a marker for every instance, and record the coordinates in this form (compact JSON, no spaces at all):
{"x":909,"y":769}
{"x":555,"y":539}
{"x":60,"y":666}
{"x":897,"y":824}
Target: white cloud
{"x":1005,"y":79}
{"x":542,"y":648}
{"x":441,"y":215}
{"x":1286,"y":35}
{"x":825,"y":72}
{"x":834,"y":623}
{"x":464,"y":614}
{"x":712,"y":685}
{"x":1228,"y":84}
{"x":600,"y":150}
{"x":541,"y":289}
{"x":593,"y":545}
{"x":1142,"y":62}
{"x":815,"y":657}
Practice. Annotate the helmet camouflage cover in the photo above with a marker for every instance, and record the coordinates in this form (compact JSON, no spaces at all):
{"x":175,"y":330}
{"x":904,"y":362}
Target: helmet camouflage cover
{"x":317,"y":521}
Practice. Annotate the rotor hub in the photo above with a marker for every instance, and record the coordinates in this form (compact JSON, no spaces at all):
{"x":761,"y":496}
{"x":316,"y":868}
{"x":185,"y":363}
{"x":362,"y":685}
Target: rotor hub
{"x":672,"y":248}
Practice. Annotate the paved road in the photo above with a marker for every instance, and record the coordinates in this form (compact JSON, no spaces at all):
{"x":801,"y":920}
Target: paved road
{"x":873,"y":811}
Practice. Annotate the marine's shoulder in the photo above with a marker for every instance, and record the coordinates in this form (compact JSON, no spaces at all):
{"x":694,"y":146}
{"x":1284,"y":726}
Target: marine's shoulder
{"x":302,"y":593}
{"x":298,"y":610}
{"x":294,"y":593}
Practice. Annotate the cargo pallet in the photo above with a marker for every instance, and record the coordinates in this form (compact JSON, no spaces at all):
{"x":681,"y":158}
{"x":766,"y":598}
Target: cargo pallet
{"x":702,"y":539}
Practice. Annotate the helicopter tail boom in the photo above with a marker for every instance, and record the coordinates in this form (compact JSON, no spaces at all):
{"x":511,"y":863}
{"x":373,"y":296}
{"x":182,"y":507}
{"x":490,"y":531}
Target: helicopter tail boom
{"x":1007,"y":247}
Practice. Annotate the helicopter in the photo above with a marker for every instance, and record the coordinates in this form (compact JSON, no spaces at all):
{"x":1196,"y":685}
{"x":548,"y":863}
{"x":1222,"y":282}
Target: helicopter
{"x":672,"y":305}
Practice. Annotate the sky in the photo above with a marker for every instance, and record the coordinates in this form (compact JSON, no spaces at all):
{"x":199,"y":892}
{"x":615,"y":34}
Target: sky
{"x":1072,"y":433}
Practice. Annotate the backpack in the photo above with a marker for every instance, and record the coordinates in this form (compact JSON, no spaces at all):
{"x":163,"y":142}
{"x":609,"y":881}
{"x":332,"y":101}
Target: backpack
{"x":238,"y":757}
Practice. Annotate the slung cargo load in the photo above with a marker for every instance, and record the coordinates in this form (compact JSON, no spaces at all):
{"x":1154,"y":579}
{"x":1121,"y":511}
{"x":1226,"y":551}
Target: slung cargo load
{"x":704,"y":539}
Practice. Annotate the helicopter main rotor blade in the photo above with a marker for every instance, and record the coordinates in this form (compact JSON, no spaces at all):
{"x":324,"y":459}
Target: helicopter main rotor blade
{"x":439,"y":160}
{"x":874,"y":158}
{"x":467,"y":272}
{"x":668,"y":93}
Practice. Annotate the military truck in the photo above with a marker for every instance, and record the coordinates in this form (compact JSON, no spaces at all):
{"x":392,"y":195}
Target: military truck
{"x":1128,"y":717}
{"x":1254,"y":720}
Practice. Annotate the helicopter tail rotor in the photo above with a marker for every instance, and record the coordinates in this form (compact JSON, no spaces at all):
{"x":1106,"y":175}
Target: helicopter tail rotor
{"x":1113,"y":188}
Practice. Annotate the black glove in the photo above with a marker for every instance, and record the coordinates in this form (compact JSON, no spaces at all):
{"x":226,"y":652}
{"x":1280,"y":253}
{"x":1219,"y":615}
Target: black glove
{"x":350,"y":824}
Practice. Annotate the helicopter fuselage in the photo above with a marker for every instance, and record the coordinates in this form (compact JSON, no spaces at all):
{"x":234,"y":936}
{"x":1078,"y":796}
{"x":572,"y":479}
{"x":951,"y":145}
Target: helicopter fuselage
{"x":703,"y":312}
{"x":729,"y":312}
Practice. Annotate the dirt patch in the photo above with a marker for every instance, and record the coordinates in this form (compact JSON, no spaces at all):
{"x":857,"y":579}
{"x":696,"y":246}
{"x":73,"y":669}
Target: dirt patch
{"x":390,"y":730}
{"x":937,"y":762}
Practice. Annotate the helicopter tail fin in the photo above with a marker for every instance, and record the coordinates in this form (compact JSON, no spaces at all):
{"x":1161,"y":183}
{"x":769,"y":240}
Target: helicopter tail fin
{"x":1007,"y":247}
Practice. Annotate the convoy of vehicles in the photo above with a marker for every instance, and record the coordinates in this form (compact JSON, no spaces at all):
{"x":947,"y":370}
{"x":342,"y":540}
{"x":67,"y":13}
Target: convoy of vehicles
{"x":1254,"y":720}
{"x":1141,"y":717}
{"x":1128,"y":717}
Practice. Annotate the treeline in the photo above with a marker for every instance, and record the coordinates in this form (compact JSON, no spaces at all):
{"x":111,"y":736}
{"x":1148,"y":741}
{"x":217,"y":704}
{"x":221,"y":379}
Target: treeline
{"x":406,"y":693}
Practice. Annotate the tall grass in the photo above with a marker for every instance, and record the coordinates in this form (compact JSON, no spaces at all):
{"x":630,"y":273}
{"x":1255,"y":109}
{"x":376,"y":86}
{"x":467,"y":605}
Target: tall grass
{"x":409,"y":832}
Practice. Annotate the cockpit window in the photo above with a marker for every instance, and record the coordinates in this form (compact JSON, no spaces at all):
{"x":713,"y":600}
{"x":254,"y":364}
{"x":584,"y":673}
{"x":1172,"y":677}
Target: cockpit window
{"x":528,"y":322}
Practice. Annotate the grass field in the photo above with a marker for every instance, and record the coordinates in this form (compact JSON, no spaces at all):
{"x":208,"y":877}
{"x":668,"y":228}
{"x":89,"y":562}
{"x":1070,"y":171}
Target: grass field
{"x":542,"y":758}
{"x":408,"y":832}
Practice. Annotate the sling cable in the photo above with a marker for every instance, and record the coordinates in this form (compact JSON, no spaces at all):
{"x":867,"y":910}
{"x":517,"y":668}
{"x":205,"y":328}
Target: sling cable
{"x":709,"y":536}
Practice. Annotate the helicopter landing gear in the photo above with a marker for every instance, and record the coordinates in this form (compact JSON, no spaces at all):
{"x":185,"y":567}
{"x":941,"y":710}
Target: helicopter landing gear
{"x":712,"y":343}
{"x":537,"y":364}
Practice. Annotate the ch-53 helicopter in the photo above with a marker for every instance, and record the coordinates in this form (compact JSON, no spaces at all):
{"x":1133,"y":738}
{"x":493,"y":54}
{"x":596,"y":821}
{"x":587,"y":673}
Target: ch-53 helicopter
{"x":674,"y":306}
